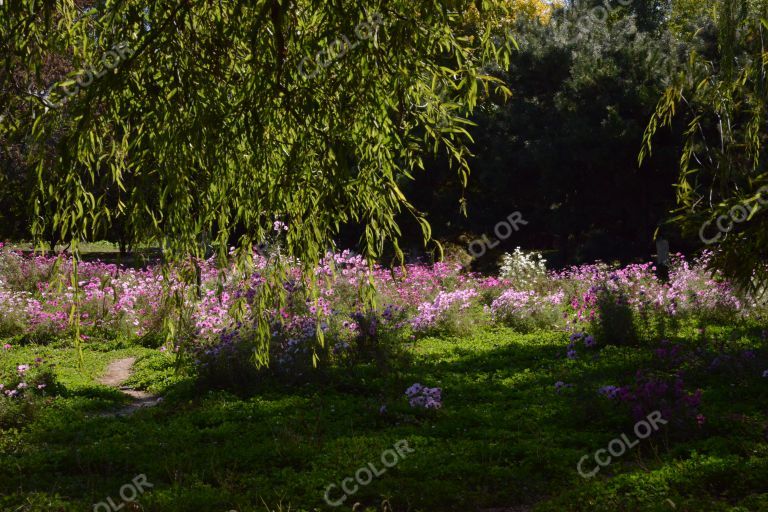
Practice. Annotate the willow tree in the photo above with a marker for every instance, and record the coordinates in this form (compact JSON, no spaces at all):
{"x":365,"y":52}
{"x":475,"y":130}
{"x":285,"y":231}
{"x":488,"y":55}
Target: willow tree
{"x":723,"y":182}
{"x":184,"y":118}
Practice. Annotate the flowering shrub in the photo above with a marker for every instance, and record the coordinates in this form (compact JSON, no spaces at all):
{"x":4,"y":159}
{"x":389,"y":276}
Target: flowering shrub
{"x":448,"y":312}
{"x":661,"y":388}
{"x":527,"y":310}
{"x":221,"y":316}
{"x":696,"y":293}
{"x":623,"y":305}
{"x":668,"y":395}
{"x":370,"y":335}
{"x":523,"y":270}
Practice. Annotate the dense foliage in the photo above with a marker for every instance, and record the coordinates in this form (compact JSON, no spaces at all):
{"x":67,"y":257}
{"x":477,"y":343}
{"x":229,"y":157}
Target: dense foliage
{"x":249,"y":364}
{"x":220,"y":318}
{"x":606,"y":346}
{"x":723,"y":97}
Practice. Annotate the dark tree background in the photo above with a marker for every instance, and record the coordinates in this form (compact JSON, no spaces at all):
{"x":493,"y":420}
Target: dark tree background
{"x":562,"y":151}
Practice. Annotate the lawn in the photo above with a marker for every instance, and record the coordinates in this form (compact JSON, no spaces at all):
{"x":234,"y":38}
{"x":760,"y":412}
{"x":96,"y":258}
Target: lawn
{"x":506,"y":438}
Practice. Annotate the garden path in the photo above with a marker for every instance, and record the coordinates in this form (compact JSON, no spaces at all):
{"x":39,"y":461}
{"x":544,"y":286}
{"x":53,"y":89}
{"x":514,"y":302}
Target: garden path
{"x":119,"y":371}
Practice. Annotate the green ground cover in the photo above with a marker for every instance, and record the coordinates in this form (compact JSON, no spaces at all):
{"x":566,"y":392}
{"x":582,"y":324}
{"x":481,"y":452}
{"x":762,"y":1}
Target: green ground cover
{"x":504,"y":438}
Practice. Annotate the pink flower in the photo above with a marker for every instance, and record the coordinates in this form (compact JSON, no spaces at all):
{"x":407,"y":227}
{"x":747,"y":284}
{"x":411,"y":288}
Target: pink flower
{"x":7,"y":347}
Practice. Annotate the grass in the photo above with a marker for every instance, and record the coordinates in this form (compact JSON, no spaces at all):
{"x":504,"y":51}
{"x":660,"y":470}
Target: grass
{"x":504,"y":438}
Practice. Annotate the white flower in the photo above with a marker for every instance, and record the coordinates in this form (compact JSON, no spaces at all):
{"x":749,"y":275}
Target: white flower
{"x":523,"y":269}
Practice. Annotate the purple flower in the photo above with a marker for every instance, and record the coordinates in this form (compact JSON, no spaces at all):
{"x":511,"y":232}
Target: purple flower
{"x":418,"y":401}
{"x":748,"y":354}
{"x":609,"y":391}
{"x":589,"y":341}
{"x":571,"y":354}
{"x":340,"y":347}
{"x":765,"y":373}
{"x":22,"y":368}
{"x":279,"y":226}
{"x":421,"y":396}
{"x":414,"y":390}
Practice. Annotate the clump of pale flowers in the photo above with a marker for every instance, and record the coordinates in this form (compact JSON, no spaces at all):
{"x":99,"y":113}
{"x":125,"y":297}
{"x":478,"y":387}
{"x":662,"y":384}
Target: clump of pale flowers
{"x":522,"y":269}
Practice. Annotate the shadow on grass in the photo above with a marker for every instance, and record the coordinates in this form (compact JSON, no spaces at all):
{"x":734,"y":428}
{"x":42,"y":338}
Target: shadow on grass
{"x":504,"y":437}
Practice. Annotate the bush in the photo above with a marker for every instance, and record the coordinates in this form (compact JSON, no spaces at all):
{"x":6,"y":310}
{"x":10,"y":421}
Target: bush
{"x":523,"y":271}
{"x":22,"y":392}
{"x":454,"y":313}
{"x":526,"y":311}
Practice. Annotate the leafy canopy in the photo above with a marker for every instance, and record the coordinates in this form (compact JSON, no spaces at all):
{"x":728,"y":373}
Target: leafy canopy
{"x":212,"y":122}
{"x":219,"y":118}
{"x":723,"y":98}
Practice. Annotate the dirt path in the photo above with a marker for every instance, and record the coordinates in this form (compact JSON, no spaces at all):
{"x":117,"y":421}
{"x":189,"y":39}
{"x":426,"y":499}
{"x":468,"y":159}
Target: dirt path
{"x":119,"y":371}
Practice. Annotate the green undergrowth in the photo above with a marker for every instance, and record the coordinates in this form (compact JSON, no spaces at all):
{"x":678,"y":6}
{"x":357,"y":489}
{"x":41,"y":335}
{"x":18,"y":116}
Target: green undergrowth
{"x":504,"y":437}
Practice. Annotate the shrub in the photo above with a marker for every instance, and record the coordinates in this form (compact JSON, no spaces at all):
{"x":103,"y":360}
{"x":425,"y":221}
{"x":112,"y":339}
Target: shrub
{"x":524,"y":271}
{"x":453,"y":313}
{"x":526,"y":310}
